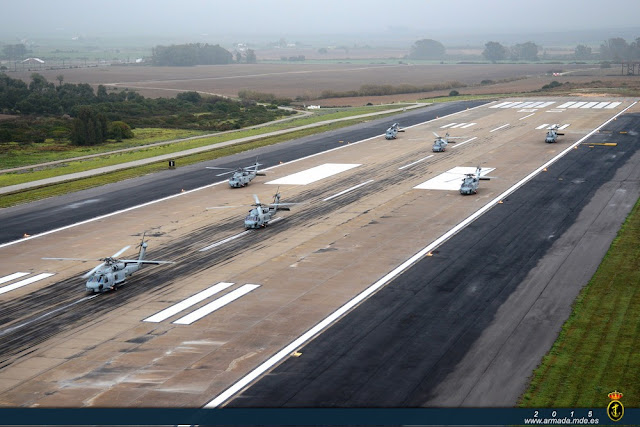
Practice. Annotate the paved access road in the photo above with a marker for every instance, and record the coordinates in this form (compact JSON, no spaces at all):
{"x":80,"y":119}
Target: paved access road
{"x":45,"y":215}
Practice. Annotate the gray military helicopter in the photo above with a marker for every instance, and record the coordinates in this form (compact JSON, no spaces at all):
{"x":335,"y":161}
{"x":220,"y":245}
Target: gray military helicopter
{"x":241,"y":176}
{"x":392,"y":132}
{"x":552,"y":134}
{"x":112,"y":272}
{"x":471,"y":181}
{"x":261,"y":214}
{"x":441,"y":142}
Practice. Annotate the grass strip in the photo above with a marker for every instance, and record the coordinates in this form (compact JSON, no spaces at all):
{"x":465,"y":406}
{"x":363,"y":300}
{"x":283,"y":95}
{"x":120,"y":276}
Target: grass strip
{"x":109,"y":159}
{"x":598,"y":349}
{"x":95,"y":181}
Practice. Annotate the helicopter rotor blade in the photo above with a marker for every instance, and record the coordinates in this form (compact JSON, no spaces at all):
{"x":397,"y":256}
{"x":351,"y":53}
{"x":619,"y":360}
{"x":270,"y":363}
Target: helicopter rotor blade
{"x":93,"y":270}
{"x":255,"y":197}
{"x":73,"y":259}
{"x":120,"y":251}
{"x":437,"y":136}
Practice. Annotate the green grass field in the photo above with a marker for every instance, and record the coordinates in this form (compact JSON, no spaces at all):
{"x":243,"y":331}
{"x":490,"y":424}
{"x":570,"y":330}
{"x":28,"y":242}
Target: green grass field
{"x":16,"y":155}
{"x":598,"y":350}
{"x":81,"y":184}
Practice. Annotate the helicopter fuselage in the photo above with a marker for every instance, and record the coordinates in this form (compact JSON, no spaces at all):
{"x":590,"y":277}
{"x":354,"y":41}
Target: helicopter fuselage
{"x":110,"y":276}
{"x":241,"y":179}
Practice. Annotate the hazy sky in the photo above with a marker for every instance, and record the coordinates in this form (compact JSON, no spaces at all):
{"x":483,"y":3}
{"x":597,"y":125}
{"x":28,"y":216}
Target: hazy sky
{"x":237,"y":17}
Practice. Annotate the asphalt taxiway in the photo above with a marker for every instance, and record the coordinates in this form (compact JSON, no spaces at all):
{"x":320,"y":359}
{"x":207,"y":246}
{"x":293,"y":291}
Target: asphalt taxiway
{"x":442,"y":326}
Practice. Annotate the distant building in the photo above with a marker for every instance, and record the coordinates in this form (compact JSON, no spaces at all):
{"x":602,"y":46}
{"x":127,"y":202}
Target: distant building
{"x":36,"y":61}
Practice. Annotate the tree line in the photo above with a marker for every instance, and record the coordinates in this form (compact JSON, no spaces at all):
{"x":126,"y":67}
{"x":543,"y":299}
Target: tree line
{"x":614,"y":49}
{"x":77,"y":113}
{"x":191,"y":54}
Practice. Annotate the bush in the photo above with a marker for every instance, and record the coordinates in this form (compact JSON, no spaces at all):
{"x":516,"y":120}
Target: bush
{"x":454,"y":93}
{"x":119,"y":131}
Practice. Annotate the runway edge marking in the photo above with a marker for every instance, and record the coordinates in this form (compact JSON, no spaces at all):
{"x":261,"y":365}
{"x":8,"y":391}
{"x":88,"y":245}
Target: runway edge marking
{"x":86,"y":221}
{"x":328,"y":321}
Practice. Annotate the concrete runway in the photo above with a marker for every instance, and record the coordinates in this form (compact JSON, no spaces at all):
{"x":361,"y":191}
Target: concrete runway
{"x":467,"y":326}
{"x":53,"y":213}
{"x":447,"y":326}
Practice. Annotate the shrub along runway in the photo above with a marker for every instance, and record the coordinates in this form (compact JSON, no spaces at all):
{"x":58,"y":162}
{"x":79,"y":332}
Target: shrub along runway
{"x":62,"y":349}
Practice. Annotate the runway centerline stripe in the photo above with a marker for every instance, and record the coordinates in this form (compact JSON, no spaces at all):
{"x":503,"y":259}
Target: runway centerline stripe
{"x":12,"y":277}
{"x":542,"y":126}
{"x":215,"y":305}
{"x":498,"y":128}
{"x":86,"y":221}
{"x":347,"y":190}
{"x":333,"y":317}
{"x":314,"y":174}
{"x":464,"y":142}
{"x":416,"y":162}
{"x":522,"y":118}
{"x":24,"y":282}
{"x":467,"y":125}
{"x":183,"y":305}
{"x":223,"y":241}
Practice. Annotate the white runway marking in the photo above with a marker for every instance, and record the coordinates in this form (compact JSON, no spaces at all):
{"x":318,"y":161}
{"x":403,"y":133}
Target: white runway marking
{"x":613,"y":105}
{"x":215,"y":305}
{"x":24,"y":282}
{"x":333,"y":317}
{"x":600,"y":105}
{"x":458,"y":125}
{"x":12,"y":277}
{"x":451,"y":179}
{"x":522,"y":118}
{"x":416,"y":162}
{"x":542,"y":126}
{"x":545,"y":104}
{"x":221,"y":242}
{"x":467,"y":125}
{"x":502,"y":104}
{"x":564,"y":126}
{"x":314,"y":174}
{"x":464,"y":142}
{"x":555,"y":111}
{"x":347,"y":190}
{"x":446,"y":126}
{"x":527,"y":104}
{"x":577,"y":104}
{"x":528,"y":110}
{"x":514,"y":104}
{"x":498,"y":128}
{"x":589,"y":104}
{"x":183,"y":305}
{"x":566,"y":104}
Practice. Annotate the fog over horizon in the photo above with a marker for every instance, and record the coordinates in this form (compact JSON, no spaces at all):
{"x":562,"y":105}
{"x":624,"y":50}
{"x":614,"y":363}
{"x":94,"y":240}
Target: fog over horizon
{"x":244,"y":19}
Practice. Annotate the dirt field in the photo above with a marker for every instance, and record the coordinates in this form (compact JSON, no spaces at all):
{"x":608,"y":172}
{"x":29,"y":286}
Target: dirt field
{"x":309,"y":80}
